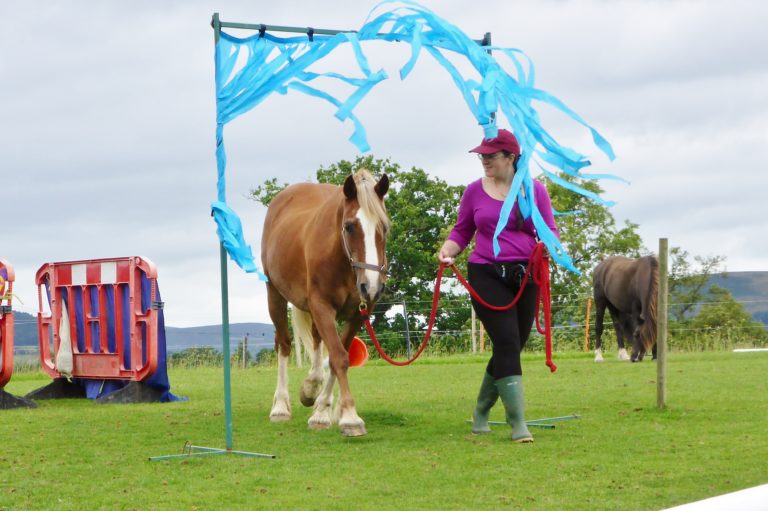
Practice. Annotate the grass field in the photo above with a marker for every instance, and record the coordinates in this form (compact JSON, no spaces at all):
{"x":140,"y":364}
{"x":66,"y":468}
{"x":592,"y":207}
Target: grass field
{"x":622,"y":454}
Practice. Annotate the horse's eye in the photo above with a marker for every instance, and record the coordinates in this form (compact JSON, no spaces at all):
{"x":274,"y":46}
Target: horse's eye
{"x":349,"y":227}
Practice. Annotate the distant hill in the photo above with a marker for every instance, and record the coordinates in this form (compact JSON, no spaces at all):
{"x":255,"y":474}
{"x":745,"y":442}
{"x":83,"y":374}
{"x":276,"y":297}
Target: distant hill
{"x":748,"y":287}
{"x":260,"y":335}
{"x":24,"y":329}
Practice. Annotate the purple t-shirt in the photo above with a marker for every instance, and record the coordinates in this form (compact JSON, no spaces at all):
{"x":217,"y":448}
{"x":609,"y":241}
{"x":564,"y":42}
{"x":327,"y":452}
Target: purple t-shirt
{"x":478,"y":216}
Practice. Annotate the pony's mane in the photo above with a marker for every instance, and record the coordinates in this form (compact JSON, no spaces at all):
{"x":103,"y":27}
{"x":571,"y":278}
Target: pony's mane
{"x":369,"y":201}
{"x":648,"y":332}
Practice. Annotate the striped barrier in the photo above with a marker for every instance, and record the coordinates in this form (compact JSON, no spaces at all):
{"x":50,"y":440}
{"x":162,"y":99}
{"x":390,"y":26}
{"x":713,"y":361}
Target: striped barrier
{"x":99,"y":325}
{"x":6,"y":321}
{"x":7,"y":400}
{"x":101,"y":331}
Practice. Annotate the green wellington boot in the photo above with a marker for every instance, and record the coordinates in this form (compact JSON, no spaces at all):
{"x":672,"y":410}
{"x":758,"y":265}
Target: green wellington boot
{"x":511,"y":391}
{"x":485,"y":401}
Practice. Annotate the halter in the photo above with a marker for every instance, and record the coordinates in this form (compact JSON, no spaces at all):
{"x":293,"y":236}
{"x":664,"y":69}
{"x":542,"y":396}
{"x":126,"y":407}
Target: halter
{"x":358,"y":264}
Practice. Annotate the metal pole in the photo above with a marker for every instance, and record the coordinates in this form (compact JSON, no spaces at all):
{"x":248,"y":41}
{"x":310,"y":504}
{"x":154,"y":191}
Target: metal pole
{"x":407,"y":331}
{"x":245,"y":351}
{"x":486,"y":41}
{"x":194,"y":450}
{"x":225,"y":345}
{"x":217,"y":25}
{"x":586,"y":326}
{"x":661,"y":327}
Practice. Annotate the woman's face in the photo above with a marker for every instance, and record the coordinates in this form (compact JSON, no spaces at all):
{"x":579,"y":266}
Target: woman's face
{"x":497,"y":165}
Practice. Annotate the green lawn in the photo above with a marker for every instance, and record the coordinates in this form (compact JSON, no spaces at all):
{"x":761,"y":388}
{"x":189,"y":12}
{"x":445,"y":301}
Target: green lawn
{"x":622,"y":454}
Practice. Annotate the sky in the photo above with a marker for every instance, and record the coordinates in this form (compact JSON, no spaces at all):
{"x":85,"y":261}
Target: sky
{"x":107,"y":127}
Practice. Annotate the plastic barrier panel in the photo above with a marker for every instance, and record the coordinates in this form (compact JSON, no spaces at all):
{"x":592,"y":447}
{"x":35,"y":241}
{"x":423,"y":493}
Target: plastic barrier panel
{"x":6,"y":322}
{"x":103,"y":319}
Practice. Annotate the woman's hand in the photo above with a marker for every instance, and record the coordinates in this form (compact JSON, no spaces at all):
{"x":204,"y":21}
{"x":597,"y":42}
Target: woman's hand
{"x":448,"y":252}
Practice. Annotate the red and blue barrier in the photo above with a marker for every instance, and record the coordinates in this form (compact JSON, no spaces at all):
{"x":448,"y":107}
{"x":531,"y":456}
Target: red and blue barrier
{"x":6,"y":322}
{"x":101,"y":325}
{"x":6,"y":339}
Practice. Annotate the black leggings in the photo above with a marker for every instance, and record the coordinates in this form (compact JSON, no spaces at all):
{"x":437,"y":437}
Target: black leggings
{"x":509,"y":329}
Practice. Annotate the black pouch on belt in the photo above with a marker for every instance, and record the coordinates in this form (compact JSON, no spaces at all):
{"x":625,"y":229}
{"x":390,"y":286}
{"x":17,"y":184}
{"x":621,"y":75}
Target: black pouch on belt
{"x":511,"y":273}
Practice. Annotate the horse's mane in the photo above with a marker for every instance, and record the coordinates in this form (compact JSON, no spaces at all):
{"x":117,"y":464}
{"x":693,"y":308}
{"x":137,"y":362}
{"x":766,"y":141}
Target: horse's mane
{"x":648,"y":332}
{"x":369,"y":200}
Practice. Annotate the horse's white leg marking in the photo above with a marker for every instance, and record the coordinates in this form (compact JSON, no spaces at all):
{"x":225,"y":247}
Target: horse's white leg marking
{"x":281,"y":405}
{"x":312,"y":384}
{"x":321,"y":418}
{"x":598,"y":355}
{"x":349,"y":422}
{"x":623,"y":355}
{"x":371,"y":254}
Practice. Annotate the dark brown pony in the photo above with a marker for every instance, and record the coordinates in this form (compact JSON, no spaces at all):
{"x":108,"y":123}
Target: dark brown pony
{"x":627,"y":288}
{"x":323,"y":250}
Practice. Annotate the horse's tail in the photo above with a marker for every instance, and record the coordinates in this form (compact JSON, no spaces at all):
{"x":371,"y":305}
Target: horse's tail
{"x":302,"y":328}
{"x":648,"y":332}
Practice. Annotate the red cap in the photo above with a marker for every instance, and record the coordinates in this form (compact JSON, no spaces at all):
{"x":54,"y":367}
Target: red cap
{"x":504,"y":141}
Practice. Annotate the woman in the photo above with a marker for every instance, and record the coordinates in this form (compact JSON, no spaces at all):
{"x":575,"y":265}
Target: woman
{"x":498,"y":279}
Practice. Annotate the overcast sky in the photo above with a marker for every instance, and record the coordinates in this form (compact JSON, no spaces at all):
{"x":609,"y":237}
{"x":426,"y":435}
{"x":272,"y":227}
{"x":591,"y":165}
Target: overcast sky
{"x":107,"y":126}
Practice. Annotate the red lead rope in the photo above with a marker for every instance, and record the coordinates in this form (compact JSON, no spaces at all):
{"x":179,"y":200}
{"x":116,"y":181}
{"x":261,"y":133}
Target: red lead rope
{"x":538,"y":261}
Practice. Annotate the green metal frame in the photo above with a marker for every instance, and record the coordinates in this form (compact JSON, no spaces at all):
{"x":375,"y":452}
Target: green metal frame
{"x":195,"y":450}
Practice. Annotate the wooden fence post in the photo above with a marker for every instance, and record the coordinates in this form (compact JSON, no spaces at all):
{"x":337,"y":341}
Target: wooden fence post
{"x":661,"y":327}
{"x":586,"y":326}
{"x":245,"y":351}
{"x":474,"y":333}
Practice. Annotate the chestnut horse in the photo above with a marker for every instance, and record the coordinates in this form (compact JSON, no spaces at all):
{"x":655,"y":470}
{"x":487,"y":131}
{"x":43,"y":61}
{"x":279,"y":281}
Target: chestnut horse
{"x":628,"y":288}
{"x":323,"y":251}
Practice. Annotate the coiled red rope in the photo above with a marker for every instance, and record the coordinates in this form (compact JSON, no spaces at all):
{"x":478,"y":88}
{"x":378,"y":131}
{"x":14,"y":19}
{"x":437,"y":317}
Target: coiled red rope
{"x":538,"y":263}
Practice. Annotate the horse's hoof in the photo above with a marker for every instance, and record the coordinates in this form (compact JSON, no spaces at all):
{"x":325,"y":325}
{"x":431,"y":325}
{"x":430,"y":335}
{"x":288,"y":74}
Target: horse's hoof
{"x":318,"y":424}
{"x":307,"y":401}
{"x":352,"y":430}
{"x":279,"y":417}
{"x":309,"y":391}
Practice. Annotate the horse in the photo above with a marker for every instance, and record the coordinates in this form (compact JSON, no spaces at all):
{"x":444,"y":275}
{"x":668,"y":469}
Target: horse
{"x":628,"y":289}
{"x":323,"y":250}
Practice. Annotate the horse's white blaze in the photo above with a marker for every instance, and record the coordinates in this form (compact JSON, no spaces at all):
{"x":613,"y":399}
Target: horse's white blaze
{"x":371,"y":254}
{"x":281,"y":405}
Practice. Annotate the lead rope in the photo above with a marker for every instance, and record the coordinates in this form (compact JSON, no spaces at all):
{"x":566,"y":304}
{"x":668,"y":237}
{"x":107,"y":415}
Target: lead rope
{"x":537,"y":260}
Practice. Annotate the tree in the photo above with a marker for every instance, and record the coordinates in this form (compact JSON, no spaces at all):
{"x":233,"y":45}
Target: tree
{"x":697,"y":306}
{"x":722,"y":313}
{"x":422,"y":209}
{"x":688,"y":282}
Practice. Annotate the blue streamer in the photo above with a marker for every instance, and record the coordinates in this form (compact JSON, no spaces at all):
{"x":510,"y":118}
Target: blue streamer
{"x":248,"y":70}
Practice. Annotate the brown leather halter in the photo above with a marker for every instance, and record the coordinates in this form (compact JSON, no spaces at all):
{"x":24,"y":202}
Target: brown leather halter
{"x":358,"y":264}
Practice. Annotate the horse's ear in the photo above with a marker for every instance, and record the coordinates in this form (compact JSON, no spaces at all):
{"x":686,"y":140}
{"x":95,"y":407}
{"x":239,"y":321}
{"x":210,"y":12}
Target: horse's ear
{"x":382,"y":186}
{"x":350,"y":188}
